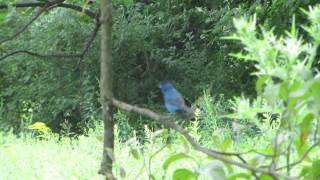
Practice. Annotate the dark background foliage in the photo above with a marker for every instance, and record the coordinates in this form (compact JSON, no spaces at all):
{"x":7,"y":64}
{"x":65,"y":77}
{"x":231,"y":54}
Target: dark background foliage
{"x":153,"y":41}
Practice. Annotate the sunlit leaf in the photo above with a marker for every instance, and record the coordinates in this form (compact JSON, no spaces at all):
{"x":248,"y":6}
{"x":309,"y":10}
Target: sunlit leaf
{"x":174,"y":158}
{"x":239,"y":176}
{"x":184,"y":174}
{"x":135,"y":153}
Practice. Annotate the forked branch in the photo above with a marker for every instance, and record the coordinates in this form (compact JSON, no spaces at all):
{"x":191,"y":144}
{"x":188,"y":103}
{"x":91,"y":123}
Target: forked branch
{"x":60,"y":4}
{"x":79,"y":55}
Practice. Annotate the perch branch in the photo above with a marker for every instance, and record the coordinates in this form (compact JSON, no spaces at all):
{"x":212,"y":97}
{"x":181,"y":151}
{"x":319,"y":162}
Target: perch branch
{"x":171,"y":124}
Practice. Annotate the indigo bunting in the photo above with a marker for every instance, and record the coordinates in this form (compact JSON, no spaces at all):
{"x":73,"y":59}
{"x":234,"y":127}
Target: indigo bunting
{"x":173,"y":100}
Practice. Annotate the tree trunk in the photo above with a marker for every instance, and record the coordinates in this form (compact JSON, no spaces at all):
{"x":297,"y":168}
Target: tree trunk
{"x":106,"y":88}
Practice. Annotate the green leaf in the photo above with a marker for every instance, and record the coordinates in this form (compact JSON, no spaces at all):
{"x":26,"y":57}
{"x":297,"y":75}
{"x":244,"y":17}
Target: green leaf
{"x":152,"y":177}
{"x":239,"y":176}
{"x":283,"y":91}
{"x":315,"y":170}
{"x":174,"y":158}
{"x":134,"y":153}
{"x":184,"y":174}
{"x":305,"y":172}
{"x":225,"y":144}
{"x":265,"y":177}
{"x":3,"y":16}
{"x":241,"y":56}
{"x":260,"y":83}
{"x":305,"y":128}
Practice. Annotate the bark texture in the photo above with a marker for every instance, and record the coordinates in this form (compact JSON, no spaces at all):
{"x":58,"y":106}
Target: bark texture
{"x":106,"y":89}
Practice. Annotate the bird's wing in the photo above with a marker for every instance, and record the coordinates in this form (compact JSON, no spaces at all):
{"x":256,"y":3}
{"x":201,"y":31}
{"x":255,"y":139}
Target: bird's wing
{"x":176,"y":101}
{"x":174,"y":97}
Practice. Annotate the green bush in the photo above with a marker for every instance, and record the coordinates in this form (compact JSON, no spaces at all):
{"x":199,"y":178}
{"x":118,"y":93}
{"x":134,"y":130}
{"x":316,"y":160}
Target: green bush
{"x":287,"y":84}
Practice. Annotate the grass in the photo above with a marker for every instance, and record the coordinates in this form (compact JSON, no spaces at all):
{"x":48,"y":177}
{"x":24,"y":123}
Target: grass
{"x":47,"y":157}
{"x":27,"y":157}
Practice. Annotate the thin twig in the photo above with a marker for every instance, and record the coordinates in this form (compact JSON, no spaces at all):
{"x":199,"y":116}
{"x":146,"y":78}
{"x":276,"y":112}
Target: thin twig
{"x":66,"y":56}
{"x":302,"y":158}
{"x":275,"y":153}
{"x":90,"y":39}
{"x":63,"y":5}
{"x":154,"y":154}
{"x":244,"y":161}
{"x":80,"y":55}
{"x":288,"y":158}
{"x":316,"y":131}
{"x":25,"y":26}
{"x":89,"y":42}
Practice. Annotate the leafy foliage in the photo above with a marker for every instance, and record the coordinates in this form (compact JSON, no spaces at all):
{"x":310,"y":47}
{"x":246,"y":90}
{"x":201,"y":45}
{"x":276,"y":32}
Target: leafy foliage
{"x":287,"y":83}
{"x":152,"y":41}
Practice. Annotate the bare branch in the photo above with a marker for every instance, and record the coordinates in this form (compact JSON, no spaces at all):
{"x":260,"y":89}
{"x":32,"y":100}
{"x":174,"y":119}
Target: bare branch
{"x":90,"y":39}
{"x":302,"y":158}
{"x":245,"y":162}
{"x":80,"y":55}
{"x":25,"y":26}
{"x":65,"y":56}
{"x":63,"y":5}
{"x":152,"y":156}
{"x":45,"y":6}
{"x":171,"y":124}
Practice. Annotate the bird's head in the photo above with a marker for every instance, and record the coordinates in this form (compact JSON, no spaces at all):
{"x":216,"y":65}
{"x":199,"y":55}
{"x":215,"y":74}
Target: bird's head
{"x":165,"y":86}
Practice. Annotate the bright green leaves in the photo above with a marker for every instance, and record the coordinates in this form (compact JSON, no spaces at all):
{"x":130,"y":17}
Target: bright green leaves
{"x":212,"y":170}
{"x":281,"y":57}
{"x":246,"y":29}
{"x":7,"y":15}
{"x":305,"y":128}
{"x":311,"y":172}
{"x":261,"y":83}
{"x":180,"y":173}
{"x":3,"y":16}
{"x":314,"y":29}
{"x":184,"y":174}
{"x":242,"y":176}
{"x":287,"y":84}
{"x":174,"y":158}
{"x":265,"y":177}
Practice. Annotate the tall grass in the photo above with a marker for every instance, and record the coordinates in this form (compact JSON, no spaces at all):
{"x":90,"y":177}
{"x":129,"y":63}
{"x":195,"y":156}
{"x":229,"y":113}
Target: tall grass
{"x":42,"y":154}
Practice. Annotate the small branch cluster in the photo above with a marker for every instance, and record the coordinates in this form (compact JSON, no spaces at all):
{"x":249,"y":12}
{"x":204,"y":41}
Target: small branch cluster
{"x":45,"y":6}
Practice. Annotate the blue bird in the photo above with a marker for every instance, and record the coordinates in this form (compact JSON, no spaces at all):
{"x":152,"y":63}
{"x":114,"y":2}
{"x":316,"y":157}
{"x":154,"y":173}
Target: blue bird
{"x":173,"y":100}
